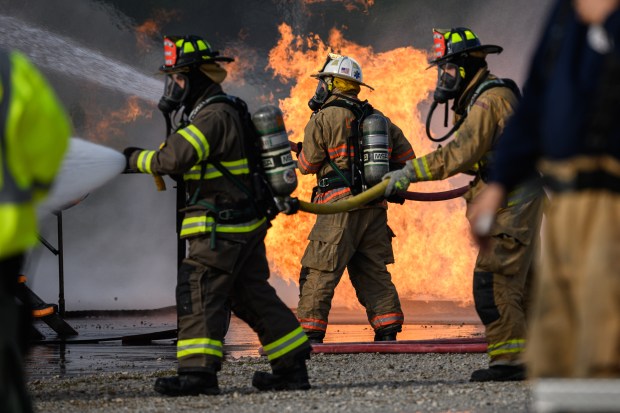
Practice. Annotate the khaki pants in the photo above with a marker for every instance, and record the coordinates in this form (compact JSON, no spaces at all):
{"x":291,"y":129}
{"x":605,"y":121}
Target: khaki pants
{"x":575,"y":329}
{"x":502,"y":278}
{"x":361,"y":242}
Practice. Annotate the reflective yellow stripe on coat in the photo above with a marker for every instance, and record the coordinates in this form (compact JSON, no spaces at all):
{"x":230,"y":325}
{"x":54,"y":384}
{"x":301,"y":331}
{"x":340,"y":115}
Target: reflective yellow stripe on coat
{"x":203,"y":224}
{"x":144,"y":161}
{"x":239,"y":167}
{"x":193,"y":135}
{"x":422,"y":171}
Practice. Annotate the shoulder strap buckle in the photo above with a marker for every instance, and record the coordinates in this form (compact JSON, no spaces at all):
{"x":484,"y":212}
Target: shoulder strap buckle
{"x":225,"y":214}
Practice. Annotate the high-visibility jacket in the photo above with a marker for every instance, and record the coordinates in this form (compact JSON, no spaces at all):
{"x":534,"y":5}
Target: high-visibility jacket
{"x":34,"y":134}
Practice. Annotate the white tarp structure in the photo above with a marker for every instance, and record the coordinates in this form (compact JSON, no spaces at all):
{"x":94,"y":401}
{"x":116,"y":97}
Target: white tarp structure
{"x":85,"y":167}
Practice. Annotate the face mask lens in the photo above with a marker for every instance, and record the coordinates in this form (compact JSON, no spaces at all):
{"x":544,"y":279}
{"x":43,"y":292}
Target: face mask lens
{"x":172,"y":90}
{"x":322,"y":91}
{"x":174,"y":94}
{"x":448,"y":77}
{"x":320,"y":95}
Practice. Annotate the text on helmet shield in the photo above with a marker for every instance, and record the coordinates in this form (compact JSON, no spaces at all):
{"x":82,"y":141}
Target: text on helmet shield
{"x":170,"y":53}
{"x":439,"y":44}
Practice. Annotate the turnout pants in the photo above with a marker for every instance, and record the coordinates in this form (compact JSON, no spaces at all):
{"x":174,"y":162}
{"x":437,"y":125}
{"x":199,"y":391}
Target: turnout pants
{"x":15,"y":322}
{"x":233,"y":275}
{"x":502,"y":279}
{"x":575,"y":330}
{"x":361,"y":242}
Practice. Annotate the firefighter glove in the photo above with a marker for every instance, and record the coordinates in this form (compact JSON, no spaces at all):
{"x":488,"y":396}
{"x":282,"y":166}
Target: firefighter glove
{"x":128,"y":152}
{"x":400,"y":179}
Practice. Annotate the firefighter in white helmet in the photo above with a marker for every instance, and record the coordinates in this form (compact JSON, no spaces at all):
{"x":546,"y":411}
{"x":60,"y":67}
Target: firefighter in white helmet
{"x":482,"y":105}
{"x":359,"y":240}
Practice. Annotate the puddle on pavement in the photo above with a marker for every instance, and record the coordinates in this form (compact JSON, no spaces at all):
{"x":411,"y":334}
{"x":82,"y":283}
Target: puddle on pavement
{"x":80,"y":356}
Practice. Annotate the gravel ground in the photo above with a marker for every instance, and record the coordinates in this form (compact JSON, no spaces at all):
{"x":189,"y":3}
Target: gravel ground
{"x":340,"y":383}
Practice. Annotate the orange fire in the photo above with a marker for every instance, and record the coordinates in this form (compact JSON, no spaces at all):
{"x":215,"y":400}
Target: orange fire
{"x":111,"y":124}
{"x":433,"y":251}
{"x":151,"y":27}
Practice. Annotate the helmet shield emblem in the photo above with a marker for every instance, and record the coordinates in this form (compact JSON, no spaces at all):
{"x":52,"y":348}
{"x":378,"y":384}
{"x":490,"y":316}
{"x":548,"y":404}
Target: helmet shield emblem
{"x":170,"y":53}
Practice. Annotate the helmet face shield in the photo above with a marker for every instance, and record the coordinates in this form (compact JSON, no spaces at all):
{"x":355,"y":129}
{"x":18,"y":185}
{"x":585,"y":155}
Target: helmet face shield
{"x":176,"y":89}
{"x":449,"y":80}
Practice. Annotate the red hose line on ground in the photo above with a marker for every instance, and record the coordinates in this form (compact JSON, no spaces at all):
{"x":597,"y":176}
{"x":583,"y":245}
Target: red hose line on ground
{"x":414,"y":196}
{"x":445,"y":345}
{"x":396,"y":347}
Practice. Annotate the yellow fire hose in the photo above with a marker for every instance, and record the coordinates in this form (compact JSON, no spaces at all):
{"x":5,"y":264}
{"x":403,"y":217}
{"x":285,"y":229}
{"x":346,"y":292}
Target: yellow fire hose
{"x":347,"y":204}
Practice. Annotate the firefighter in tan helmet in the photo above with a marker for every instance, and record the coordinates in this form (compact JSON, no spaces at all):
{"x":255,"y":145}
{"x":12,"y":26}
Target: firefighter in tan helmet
{"x":359,"y":240}
{"x":208,"y":152}
{"x":482,"y":105}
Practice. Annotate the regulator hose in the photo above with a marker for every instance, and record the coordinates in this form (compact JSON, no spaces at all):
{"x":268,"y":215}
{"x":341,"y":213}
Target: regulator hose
{"x":450,"y":132}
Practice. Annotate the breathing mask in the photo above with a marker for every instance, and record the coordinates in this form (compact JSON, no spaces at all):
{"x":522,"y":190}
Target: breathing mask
{"x":323,"y":91}
{"x":449,"y":82}
{"x":174,"y":94}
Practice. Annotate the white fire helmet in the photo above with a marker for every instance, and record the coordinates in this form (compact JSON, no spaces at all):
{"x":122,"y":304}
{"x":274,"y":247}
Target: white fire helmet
{"x":344,"y":67}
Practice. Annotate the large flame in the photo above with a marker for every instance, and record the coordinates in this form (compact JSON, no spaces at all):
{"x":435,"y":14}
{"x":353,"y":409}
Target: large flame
{"x":433,"y":251}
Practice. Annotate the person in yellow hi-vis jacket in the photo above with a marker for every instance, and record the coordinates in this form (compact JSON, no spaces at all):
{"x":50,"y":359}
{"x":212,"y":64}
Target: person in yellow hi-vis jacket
{"x":34,"y":135}
{"x":225,"y":227}
{"x":482,"y":105}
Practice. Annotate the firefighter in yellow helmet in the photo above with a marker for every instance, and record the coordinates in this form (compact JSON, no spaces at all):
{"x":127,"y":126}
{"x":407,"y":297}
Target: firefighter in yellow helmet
{"x":224,"y":225}
{"x":34,"y":133}
{"x":482,"y":105}
{"x":359,"y":240}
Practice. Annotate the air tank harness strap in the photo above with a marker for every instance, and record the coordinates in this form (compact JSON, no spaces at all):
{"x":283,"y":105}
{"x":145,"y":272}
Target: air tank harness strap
{"x":231,"y":214}
{"x":226,"y":214}
{"x":334,"y":179}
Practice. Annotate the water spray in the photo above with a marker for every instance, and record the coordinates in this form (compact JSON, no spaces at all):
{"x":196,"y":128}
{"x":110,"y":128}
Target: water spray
{"x":57,"y":53}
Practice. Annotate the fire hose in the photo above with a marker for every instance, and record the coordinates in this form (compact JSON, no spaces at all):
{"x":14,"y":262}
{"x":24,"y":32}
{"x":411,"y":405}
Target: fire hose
{"x":374,"y":193}
{"x":445,"y":345}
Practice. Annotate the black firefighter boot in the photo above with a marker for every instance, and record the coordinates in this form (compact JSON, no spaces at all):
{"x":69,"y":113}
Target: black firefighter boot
{"x":499,"y":373}
{"x":294,"y":377}
{"x":315,"y":337}
{"x":188,"y":385}
{"x":387,"y":333}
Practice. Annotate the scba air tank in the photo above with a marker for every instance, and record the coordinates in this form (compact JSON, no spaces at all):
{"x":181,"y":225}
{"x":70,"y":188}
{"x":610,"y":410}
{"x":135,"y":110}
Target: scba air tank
{"x":276,"y":153}
{"x":375,"y":147}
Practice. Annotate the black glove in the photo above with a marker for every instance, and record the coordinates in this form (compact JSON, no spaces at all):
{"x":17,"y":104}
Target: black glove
{"x":395,"y":199}
{"x":128,"y":152}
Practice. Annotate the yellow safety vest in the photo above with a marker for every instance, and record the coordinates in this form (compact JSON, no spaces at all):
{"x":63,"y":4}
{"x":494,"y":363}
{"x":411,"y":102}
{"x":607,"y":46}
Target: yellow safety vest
{"x":34,"y":134}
